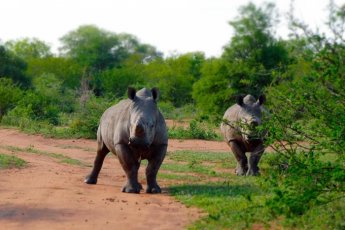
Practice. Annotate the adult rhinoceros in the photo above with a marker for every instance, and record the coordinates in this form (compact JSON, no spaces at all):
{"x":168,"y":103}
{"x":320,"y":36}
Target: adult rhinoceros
{"x":133,"y":129}
{"x":238,"y":129}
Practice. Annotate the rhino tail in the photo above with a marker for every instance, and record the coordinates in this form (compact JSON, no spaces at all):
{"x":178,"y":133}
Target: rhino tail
{"x":100,"y":143}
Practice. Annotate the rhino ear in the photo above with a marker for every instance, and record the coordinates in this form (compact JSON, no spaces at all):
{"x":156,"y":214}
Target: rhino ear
{"x":262,"y":99}
{"x":155,"y":93}
{"x":239,"y":100}
{"x":131,"y":93}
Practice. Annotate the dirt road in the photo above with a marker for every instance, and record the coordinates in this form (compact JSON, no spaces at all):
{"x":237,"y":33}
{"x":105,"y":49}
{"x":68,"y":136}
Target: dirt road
{"x":49,"y":194}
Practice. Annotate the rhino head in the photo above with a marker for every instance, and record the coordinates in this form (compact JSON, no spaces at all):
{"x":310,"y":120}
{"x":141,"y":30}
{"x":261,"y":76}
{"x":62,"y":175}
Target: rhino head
{"x":249,"y":116}
{"x":143,"y":117}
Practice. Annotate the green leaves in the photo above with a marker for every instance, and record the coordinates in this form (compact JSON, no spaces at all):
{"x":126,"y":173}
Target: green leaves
{"x":196,"y":130}
{"x":13,"y":67}
{"x":10,"y":94}
{"x":7,"y":161}
{"x":28,"y":48}
{"x":248,"y":62}
{"x":212,"y":92}
{"x":98,"y":49}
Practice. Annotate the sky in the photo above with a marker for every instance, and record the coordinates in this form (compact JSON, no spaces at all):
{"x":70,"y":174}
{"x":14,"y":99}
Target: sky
{"x":172,"y":26}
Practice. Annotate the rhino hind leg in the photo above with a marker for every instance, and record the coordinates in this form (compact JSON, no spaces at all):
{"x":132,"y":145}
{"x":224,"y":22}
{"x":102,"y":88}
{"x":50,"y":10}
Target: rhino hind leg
{"x":240,"y":155}
{"x":158,"y":155}
{"x":101,"y":154}
{"x":130,"y":164}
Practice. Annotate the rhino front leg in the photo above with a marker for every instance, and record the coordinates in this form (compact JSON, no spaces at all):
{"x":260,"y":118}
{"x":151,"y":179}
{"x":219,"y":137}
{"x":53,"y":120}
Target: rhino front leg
{"x":101,"y":154}
{"x":155,"y":161}
{"x":242,"y":161}
{"x":130,"y":164}
{"x":253,"y":169}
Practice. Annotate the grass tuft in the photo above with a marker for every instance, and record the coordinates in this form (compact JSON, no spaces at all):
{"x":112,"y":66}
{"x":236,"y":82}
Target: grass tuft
{"x":7,"y":161}
{"x":62,"y":158}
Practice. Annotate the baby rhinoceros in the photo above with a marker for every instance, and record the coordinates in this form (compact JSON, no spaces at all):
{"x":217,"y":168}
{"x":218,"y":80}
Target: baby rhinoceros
{"x":133,"y":129}
{"x":239,"y":131}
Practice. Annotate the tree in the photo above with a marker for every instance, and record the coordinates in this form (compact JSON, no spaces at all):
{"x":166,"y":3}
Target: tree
{"x":175,"y":76}
{"x":28,"y":48}
{"x":211,"y":91}
{"x":254,"y":49}
{"x":13,"y":67}
{"x":66,"y":70}
{"x":115,"y":81}
{"x":99,"y":49}
{"x":91,"y":47}
{"x":247,"y":63}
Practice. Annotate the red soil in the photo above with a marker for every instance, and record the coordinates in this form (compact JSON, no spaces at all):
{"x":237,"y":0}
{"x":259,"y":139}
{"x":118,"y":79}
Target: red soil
{"x":48,"y":194}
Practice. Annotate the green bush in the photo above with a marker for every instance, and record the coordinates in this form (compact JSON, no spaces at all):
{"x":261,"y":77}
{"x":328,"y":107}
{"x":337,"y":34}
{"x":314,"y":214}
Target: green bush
{"x":86,"y":120}
{"x":170,"y":112}
{"x":196,"y":130}
{"x":34,"y":106}
{"x":307,"y":132}
{"x":10,"y":94}
{"x":45,"y":103}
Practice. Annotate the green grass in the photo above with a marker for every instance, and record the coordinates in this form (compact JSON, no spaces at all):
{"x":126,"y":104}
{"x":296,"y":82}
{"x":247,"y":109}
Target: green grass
{"x":213,"y":188}
{"x":232,"y":204}
{"x":178,"y":177}
{"x":7,"y":161}
{"x":219,"y":159}
{"x":62,"y":158}
{"x":206,"y":180}
{"x":194,"y":166}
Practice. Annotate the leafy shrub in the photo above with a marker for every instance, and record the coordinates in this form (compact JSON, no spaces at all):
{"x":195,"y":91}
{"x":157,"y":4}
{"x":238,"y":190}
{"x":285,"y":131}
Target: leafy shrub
{"x":170,"y":112}
{"x":195,"y":130}
{"x":43,"y":103}
{"x":307,"y":132}
{"x":13,"y":67}
{"x":10,"y":94}
{"x":34,"y":106}
{"x":86,"y":120}
{"x":167,"y":109}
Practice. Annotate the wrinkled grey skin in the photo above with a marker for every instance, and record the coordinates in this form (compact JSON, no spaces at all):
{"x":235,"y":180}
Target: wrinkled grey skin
{"x":238,"y":129}
{"x":134,"y":129}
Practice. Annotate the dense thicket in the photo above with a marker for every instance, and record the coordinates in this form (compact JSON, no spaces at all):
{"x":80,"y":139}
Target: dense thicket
{"x":303,"y":78}
{"x":307,"y":127}
{"x":13,"y":67}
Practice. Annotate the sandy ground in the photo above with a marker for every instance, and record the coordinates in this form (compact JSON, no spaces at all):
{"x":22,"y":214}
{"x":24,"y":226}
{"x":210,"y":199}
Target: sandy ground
{"x":48,"y":194}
